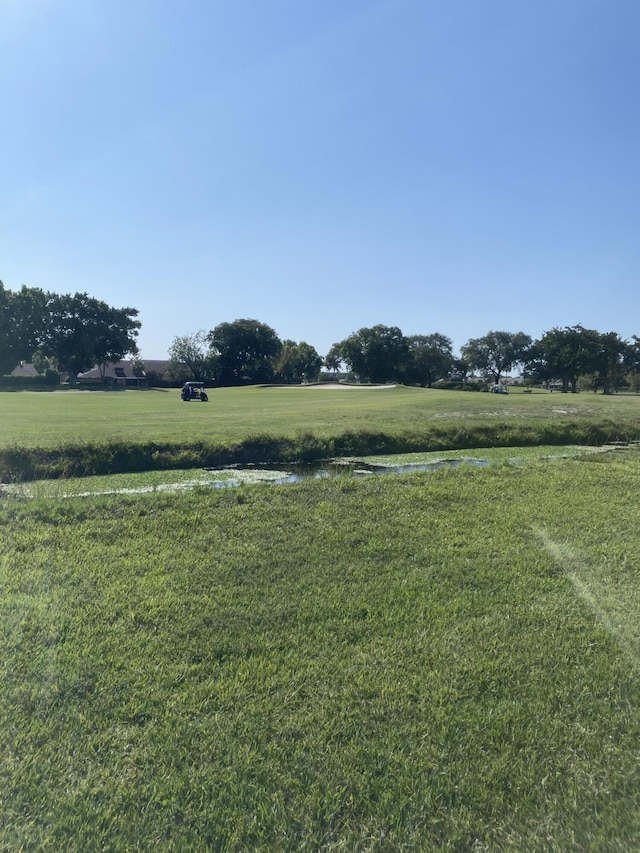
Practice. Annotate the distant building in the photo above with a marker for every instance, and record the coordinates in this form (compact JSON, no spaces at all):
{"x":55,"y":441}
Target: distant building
{"x":24,"y":369}
{"x":126,"y":372}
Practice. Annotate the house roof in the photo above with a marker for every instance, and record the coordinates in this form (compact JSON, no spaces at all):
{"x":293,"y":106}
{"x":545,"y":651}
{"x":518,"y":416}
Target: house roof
{"x":124,"y":370}
{"x":24,"y":369}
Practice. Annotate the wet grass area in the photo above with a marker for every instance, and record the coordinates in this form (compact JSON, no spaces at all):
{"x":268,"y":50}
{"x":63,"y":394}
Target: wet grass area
{"x":279,"y":475}
{"x":246,"y":475}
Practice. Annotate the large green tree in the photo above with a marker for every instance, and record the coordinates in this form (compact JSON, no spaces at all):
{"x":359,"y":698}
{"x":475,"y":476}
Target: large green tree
{"x":244,"y":352}
{"x":297,"y":362}
{"x":24,"y":319}
{"x":376,"y":354}
{"x":496,"y":353}
{"x":430,"y":358}
{"x":610,"y":360}
{"x":564,"y":354}
{"x":188,"y":358}
{"x":333,"y":360}
{"x":633,"y":363}
{"x":84,"y":331}
{"x":8,"y":348}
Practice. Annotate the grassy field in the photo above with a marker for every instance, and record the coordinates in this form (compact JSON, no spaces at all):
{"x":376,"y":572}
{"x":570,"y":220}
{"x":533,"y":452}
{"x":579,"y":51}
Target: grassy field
{"x":183,"y":480}
{"x":50,"y":419}
{"x":443,"y":661}
{"x":65,"y":434}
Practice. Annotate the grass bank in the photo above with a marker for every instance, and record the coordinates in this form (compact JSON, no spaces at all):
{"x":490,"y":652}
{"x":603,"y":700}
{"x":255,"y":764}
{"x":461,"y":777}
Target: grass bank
{"x":182,"y":480}
{"x":90,"y":433}
{"x":19,"y":464}
{"x":445,"y":661}
{"x":47,"y":420}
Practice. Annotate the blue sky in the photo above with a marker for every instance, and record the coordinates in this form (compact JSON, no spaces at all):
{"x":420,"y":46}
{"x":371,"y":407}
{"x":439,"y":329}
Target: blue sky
{"x":324,"y":165}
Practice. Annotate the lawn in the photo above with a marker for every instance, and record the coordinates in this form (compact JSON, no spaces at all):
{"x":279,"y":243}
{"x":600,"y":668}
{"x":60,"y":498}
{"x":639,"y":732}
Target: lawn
{"x":76,"y":433}
{"x":443,"y":661}
{"x":70,"y":417}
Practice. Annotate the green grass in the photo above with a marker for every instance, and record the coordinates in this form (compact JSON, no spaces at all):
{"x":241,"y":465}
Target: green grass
{"x":67,"y":434}
{"x":150,"y":481}
{"x":51,"y":419}
{"x":442,"y":661}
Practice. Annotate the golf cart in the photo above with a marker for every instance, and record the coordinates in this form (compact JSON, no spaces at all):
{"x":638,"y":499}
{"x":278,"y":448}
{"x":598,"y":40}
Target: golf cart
{"x":194,"y":391}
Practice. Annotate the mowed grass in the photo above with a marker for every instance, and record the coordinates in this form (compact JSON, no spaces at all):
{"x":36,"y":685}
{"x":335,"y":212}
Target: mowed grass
{"x":443,"y":661}
{"x":48,"y":420}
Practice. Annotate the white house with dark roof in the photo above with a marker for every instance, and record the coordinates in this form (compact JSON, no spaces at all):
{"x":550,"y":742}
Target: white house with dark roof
{"x":126,"y":372}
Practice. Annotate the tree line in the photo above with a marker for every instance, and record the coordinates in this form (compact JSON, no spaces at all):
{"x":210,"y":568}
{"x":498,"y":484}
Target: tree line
{"x":563,"y":355}
{"x":243,"y":352}
{"x":63,"y":332}
{"x":247,"y":351}
{"x":74,"y":333}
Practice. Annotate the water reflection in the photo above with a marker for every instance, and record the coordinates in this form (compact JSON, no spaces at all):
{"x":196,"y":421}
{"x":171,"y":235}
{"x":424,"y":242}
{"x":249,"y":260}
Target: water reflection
{"x":279,"y":475}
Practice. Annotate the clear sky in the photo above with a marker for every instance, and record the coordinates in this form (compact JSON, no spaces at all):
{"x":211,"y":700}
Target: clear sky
{"x":456,"y":166}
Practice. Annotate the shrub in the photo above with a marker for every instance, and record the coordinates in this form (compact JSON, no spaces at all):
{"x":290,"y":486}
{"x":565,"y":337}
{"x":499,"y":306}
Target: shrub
{"x":16,"y":465}
{"x":30,"y":383}
{"x":310,"y":448}
{"x":450,"y":385}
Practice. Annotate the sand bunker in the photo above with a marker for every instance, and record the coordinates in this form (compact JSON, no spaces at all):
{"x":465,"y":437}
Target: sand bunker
{"x":336,"y":386}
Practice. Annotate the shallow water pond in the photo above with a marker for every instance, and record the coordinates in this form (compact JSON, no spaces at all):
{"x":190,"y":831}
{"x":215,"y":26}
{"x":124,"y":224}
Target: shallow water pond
{"x":171,"y":481}
{"x":355,"y":468}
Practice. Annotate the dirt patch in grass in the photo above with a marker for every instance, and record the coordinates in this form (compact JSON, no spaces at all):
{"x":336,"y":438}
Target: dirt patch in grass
{"x":333,"y":386}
